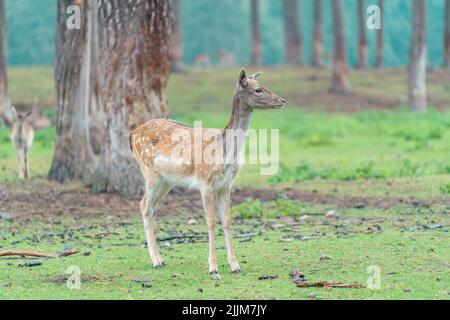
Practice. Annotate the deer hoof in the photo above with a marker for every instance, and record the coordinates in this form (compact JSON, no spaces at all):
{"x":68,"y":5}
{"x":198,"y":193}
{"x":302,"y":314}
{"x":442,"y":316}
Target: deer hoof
{"x":216,"y":275}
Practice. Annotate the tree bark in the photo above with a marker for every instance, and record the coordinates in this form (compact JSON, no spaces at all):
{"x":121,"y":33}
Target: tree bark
{"x":257,"y":58}
{"x":363,"y":51}
{"x":136,"y":51}
{"x":380,"y":38}
{"x":418,"y":59}
{"x":293,"y":38}
{"x":6,"y":115}
{"x":318,"y":34}
{"x":178,"y":50}
{"x":447,"y":35}
{"x":97,"y":117}
{"x":341,"y":82}
{"x":73,"y":155}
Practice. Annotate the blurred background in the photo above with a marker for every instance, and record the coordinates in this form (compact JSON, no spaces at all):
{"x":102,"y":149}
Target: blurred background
{"x":225,"y":25}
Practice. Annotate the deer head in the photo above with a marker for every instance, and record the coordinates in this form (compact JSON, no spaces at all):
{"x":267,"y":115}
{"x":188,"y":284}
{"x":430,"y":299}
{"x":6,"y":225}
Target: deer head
{"x":20,"y":116}
{"x":252,"y":95}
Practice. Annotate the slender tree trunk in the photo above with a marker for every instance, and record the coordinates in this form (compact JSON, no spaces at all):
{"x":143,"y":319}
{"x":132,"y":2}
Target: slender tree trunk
{"x":318,"y":34}
{"x":293,"y":37}
{"x":6,"y":114}
{"x":257,"y":58}
{"x":418,"y":59}
{"x":136,"y":51}
{"x":341,"y":82}
{"x":73,"y":155}
{"x":178,"y":51}
{"x":447,"y":35}
{"x":380,"y":37}
{"x":363,"y":51}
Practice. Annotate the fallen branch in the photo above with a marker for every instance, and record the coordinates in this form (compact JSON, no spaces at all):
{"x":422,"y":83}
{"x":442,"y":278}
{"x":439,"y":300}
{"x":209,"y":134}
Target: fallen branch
{"x":38,"y":254}
{"x":184,"y":236}
{"x":327,"y":284}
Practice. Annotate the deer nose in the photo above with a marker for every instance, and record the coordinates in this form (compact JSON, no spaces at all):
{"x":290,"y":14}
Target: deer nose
{"x":282,"y":101}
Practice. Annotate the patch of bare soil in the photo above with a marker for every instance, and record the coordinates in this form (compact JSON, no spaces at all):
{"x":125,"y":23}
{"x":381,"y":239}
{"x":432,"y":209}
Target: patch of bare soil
{"x":53,"y":200}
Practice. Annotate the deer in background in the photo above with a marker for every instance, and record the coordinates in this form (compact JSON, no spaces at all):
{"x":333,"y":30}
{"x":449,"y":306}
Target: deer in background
{"x":226,"y":59}
{"x":22,"y":136}
{"x":202,"y":61}
{"x":153,"y":146}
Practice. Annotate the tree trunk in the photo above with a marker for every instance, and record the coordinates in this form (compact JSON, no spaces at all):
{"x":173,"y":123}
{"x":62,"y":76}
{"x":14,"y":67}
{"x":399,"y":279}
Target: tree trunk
{"x":293,"y":38}
{"x":73,"y":155}
{"x":136,"y":51}
{"x":380,"y":37}
{"x":257,"y":58}
{"x":363,"y":51}
{"x":447,"y":35}
{"x":6,"y":114}
{"x":178,"y":52}
{"x":418,"y":60}
{"x":318,"y":34}
{"x":341,"y":82}
{"x":97,"y":117}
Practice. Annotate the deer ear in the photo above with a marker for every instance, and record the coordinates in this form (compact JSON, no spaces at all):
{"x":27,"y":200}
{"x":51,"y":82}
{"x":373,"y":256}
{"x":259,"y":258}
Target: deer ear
{"x":27,"y":114}
{"x":243,"y":78}
{"x":256,"y":75}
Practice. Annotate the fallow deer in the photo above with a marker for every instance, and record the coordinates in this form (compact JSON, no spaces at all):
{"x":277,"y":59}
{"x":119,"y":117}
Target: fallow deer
{"x":153,"y":146}
{"x":22,"y":136}
{"x":202,"y":61}
{"x":226,"y":59}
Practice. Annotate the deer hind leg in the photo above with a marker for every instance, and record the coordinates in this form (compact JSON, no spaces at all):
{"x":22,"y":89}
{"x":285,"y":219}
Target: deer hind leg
{"x":155,"y":191}
{"x":223,"y":207}
{"x":209,"y":206}
{"x":27,"y":165}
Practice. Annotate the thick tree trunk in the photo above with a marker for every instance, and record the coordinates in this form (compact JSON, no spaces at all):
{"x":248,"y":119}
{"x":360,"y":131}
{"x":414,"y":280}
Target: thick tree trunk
{"x":318,"y":44}
{"x":447,"y":35}
{"x":293,"y":38}
{"x":257,"y":58}
{"x":341,"y":82}
{"x":380,"y":37}
{"x":177,"y":42}
{"x":73,"y":155}
{"x":6,"y":115}
{"x":136,"y":51}
{"x":363,"y":50}
{"x":418,"y":60}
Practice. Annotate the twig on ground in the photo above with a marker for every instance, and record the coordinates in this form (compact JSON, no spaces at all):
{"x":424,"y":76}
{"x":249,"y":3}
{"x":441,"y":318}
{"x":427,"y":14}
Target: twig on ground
{"x":327,"y":284}
{"x":38,"y":254}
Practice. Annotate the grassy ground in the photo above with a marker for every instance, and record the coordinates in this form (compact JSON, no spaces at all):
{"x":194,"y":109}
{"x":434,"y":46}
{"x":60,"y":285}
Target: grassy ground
{"x":408,"y":244}
{"x":381,"y":174}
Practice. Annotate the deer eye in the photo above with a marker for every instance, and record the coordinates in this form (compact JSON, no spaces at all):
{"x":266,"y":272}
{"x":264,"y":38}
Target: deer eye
{"x":259,"y":90}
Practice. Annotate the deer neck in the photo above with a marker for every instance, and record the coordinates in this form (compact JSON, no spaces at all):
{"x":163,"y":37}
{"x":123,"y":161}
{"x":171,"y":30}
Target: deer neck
{"x":241,"y":116}
{"x":238,"y":125}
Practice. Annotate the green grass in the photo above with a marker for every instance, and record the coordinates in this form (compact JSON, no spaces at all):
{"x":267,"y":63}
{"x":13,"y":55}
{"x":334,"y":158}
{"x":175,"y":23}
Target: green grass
{"x":365,"y":145}
{"x":413,"y":264}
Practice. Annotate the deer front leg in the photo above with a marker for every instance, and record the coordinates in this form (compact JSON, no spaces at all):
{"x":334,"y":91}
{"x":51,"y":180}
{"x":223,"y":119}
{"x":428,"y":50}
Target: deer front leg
{"x":22,"y":169}
{"x":209,"y":206}
{"x":223,"y":206}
